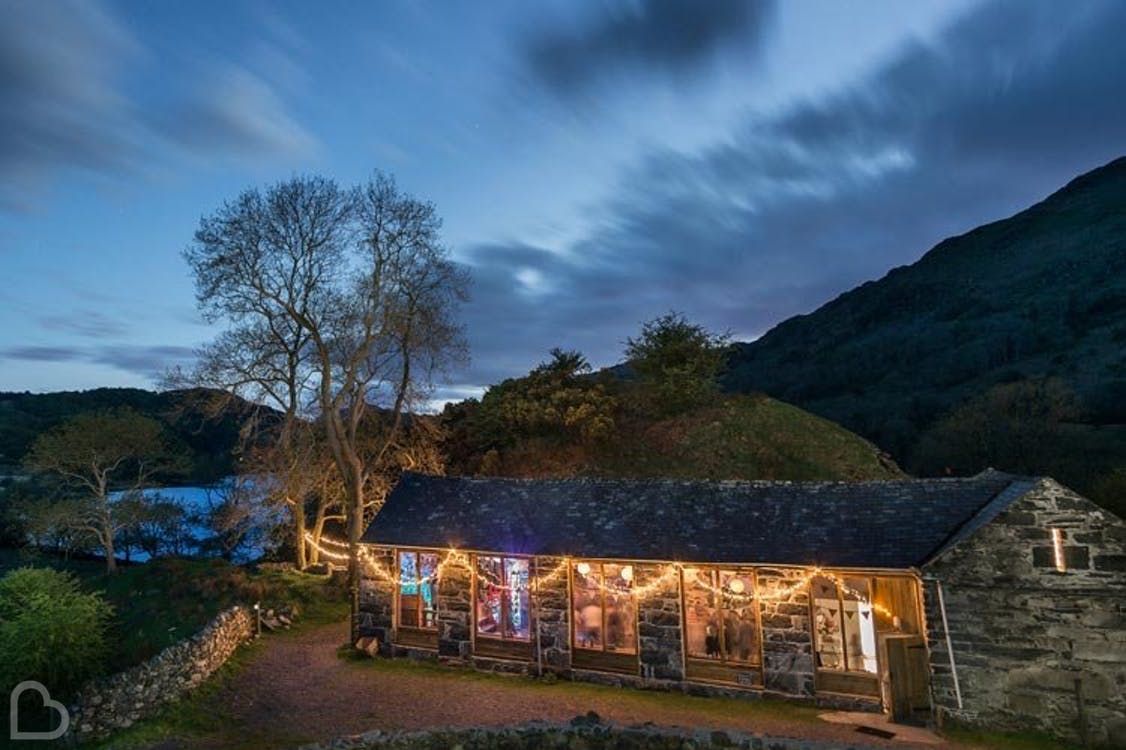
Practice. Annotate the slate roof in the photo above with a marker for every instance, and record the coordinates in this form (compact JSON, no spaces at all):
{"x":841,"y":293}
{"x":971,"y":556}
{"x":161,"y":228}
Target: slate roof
{"x":886,"y":524}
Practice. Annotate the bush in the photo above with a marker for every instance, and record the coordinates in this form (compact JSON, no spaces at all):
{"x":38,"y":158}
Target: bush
{"x":50,"y":631}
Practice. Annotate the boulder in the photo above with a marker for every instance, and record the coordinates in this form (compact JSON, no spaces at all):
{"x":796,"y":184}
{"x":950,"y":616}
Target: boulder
{"x":368,"y":645}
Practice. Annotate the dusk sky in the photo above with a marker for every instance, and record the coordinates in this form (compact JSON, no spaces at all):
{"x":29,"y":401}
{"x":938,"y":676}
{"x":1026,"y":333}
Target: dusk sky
{"x":596,"y":164}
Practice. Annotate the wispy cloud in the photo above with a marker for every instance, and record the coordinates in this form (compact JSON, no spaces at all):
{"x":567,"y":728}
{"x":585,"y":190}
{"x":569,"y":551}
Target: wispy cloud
{"x":67,"y":103}
{"x":149,"y":361}
{"x":669,"y":37}
{"x":1001,"y":109}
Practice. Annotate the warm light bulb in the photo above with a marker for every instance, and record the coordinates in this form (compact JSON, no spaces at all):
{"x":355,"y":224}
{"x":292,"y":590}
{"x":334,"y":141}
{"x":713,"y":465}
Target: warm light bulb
{"x":736,"y":585}
{"x":583,"y":568}
{"x":627,"y":573}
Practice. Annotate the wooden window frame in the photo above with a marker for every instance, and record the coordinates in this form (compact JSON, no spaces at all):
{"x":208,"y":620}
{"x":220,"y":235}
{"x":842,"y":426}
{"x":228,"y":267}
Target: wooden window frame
{"x":634,"y":652}
{"x":845,"y":670}
{"x":419,"y":609}
{"x":501,"y":635}
{"x":717,"y":571}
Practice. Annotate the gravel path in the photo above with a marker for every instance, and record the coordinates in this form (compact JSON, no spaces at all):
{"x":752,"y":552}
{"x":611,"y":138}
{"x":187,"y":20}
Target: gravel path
{"x":296,"y":689}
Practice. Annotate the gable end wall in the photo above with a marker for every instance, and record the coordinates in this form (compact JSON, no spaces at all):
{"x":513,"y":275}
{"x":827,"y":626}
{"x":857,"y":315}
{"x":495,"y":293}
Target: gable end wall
{"x":1022,"y":632}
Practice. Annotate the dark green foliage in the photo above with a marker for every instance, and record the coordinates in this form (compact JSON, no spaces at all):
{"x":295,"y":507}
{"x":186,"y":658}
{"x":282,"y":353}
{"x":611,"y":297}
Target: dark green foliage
{"x":1017,"y":427}
{"x":1041,"y":294}
{"x":557,"y":400}
{"x":50,"y":630}
{"x":678,"y":362}
{"x":209,"y":439}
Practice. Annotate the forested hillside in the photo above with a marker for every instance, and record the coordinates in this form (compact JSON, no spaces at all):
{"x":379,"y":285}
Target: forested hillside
{"x":208,"y":440}
{"x":1025,"y":317}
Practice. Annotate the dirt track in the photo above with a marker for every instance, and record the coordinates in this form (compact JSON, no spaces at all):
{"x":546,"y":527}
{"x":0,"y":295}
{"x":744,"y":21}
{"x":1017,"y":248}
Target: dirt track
{"x":295,"y":689}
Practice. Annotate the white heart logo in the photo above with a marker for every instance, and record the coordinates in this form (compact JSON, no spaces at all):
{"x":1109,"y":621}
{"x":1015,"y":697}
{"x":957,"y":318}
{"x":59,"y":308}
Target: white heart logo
{"x":14,"y":713}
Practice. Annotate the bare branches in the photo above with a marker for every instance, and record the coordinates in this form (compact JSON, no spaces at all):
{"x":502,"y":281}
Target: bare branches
{"x":340,"y":304}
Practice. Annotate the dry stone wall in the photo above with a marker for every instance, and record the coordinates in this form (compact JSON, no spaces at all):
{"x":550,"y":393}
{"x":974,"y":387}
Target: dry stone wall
{"x":551,"y":615}
{"x":787,"y":640}
{"x":117,"y":702}
{"x":658,"y":625}
{"x":1034,"y":647}
{"x":377,"y":598}
{"x":582,"y":732}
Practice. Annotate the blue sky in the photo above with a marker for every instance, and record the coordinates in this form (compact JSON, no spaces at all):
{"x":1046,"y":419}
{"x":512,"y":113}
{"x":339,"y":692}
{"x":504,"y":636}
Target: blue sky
{"x":596,"y":164}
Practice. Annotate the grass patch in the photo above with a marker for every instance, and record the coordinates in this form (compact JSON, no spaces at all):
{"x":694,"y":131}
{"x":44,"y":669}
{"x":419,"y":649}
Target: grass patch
{"x":164,"y":601}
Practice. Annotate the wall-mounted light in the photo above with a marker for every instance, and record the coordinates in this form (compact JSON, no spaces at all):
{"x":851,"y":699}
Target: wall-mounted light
{"x":627,"y":573}
{"x":1057,"y":547}
{"x":737,"y":586}
{"x":583,"y":568}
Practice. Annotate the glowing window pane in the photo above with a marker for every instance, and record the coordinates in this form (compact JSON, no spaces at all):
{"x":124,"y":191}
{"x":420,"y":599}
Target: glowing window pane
{"x":518,"y":622}
{"x":827,"y":624}
{"x":619,"y":634}
{"x":701,"y":615}
{"x":587,"y":605}
{"x":740,"y":625}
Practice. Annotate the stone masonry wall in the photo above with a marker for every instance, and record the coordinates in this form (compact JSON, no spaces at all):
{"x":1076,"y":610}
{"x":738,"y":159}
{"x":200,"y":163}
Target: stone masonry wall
{"x":117,"y":702}
{"x":455,"y":612}
{"x":582,"y":732}
{"x":1024,"y":633}
{"x":377,"y":597}
{"x":551,"y":616}
{"x":658,"y":625}
{"x":787,"y":637}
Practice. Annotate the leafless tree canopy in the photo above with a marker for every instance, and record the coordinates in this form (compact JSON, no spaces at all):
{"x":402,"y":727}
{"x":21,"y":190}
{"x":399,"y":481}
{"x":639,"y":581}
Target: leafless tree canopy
{"x":336,"y":301}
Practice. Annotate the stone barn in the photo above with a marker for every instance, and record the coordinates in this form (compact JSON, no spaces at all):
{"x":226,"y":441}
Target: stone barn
{"x":994,"y":600}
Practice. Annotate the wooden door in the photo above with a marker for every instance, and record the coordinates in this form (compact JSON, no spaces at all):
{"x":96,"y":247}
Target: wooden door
{"x":908,"y":678}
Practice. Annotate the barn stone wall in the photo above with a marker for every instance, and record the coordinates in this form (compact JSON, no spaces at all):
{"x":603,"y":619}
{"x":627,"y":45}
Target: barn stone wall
{"x":787,"y":638}
{"x":377,"y":597}
{"x":551,"y":615}
{"x":1035,"y":648}
{"x":658,"y":625}
{"x":455,"y":612}
{"x":787,"y":635}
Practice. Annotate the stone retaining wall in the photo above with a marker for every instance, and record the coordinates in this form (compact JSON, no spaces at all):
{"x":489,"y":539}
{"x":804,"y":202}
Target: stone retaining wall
{"x":1035,"y":647}
{"x":582,"y":732}
{"x":118,"y":701}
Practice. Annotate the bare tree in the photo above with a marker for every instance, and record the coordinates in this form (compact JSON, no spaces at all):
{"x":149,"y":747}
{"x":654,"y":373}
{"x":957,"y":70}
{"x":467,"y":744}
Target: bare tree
{"x":363,"y":275}
{"x":97,"y":453}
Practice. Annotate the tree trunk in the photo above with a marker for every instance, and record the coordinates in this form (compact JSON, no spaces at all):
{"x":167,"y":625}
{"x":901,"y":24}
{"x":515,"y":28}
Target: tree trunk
{"x":111,"y":553}
{"x":355,"y":512}
{"x":302,"y":560}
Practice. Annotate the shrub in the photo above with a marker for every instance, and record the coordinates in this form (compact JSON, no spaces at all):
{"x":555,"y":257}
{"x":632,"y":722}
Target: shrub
{"x":50,"y":630}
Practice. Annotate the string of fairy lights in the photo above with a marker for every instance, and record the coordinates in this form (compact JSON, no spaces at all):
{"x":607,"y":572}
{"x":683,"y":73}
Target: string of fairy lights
{"x":734,"y":590}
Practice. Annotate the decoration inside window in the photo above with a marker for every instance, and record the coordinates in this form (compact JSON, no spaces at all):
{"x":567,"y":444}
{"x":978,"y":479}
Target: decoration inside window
{"x":503,"y":604}
{"x":604,"y":613}
{"x":720,"y":613}
{"x":418,"y":588}
{"x":844,"y":624}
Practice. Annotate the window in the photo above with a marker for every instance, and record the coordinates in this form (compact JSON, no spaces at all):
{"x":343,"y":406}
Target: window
{"x":604,"y":613}
{"x":502,"y":598}
{"x":844,"y":624}
{"x":721,"y":615}
{"x":418,"y":588}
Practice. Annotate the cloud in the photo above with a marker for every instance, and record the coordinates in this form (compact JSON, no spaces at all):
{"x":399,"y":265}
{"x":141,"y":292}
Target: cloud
{"x":74,"y":97}
{"x":41,"y":353}
{"x":147,"y":361}
{"x":1004,"y":107}
{"x":673,"y":37}
{"x":89,"y":323}
{"x":237,"y":112}
{"x":61,"y":105}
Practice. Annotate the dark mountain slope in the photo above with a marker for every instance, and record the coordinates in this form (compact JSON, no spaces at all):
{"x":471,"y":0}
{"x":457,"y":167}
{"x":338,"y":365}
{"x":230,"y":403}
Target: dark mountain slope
{"x":208,"y":440}
{"x":1042,"y":293}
